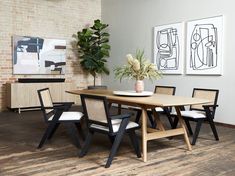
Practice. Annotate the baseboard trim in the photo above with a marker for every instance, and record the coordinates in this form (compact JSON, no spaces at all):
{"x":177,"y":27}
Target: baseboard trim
{"x":224,"y":125}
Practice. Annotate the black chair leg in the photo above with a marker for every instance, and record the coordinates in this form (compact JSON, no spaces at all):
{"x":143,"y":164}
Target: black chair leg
{"x":213,"y":128}
{"x":73,"y":133}
{"x":117,"y":142}
{"x":175,"y":123}
{"x":167,"y":112}
{"x":197,"y":130}
{"x":79,"y":128}
{"x":53,"y":131}
{"x":152,"y":122}
{"x":135,"y":143}
{"x":138,"y":115}
{"x":188,"y":126}
{"x":47,"y":133}
{"x":112,"y":138}
{"x":170,"y":121}
{"x":86,"y":144}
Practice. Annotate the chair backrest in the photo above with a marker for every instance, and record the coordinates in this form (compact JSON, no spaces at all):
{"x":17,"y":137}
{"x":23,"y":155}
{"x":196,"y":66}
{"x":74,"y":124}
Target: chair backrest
{"x":96,"y":110}
{"x":45,"y":101}
{"x":209,"y":94}
{"x":168,"y":90}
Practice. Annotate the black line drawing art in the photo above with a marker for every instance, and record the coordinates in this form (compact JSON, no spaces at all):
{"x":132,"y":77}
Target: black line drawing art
{"x":168,"y":49}
{"x":203,"y":47}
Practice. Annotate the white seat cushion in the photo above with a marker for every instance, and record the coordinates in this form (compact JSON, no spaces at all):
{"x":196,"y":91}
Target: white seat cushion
{"x":69,"y":116}
{"x":159,"y":109}
{"x":192,"y":114}
{"x":116,"y":124}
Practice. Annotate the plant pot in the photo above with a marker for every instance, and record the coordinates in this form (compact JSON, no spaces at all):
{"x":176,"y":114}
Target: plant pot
{"x":139,"y":86}
{"x":97,"y":87}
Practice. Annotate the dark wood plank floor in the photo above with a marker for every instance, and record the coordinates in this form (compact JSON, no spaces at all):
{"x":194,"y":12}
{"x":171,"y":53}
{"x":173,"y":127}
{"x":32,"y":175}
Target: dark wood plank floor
{"x":20,"y":135}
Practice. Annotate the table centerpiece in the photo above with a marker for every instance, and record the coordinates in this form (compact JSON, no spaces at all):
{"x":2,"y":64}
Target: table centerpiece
{"x":138,"y":68}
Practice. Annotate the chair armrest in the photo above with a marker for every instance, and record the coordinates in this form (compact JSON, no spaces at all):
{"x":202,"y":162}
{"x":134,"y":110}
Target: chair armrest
{"x":210,"y":106}
{"x":54,"y":108}
{"x":182,"y":108}
{"x":210,"y":110}
{"x":67,"y":103}
{"x":122,"y":116}
{"x":59,"y":107}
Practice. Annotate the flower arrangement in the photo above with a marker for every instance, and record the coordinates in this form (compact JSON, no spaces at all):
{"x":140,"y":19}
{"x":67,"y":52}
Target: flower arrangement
{"x":138,"y":68}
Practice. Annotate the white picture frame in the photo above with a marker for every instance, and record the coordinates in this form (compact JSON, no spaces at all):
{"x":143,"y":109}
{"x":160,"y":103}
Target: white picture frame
{"x":169,"y":48}
{"x":204,"y":46}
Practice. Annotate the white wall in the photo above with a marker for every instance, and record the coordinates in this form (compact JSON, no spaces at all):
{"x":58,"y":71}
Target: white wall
{"x":131,"y":27}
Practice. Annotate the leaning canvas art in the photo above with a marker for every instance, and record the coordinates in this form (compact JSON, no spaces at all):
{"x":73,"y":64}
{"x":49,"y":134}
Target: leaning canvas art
{"x":35,"y":55}
{"x":168,"y":48}
{"x":204,"y":46}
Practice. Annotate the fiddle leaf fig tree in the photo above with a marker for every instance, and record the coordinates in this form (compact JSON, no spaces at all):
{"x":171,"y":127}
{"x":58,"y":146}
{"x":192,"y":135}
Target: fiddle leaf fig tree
{"x":93,"y":49}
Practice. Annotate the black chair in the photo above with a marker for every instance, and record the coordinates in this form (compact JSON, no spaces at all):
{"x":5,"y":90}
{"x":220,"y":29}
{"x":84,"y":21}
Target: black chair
{"x":99,"y":120}
{"x":56,"y":113}
{"x":168,"y":90}
{"x":200,"y":113}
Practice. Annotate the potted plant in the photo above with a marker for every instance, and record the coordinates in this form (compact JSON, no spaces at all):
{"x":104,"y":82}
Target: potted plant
{"x":137,"y":68}
{"x":93,"y":49}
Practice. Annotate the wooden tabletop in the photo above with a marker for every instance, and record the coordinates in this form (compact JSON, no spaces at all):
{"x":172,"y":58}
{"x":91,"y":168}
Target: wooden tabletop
{"x":154,"y":100}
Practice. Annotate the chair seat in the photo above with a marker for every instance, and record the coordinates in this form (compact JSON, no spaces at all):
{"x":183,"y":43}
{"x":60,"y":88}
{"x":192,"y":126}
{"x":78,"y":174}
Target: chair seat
{"x":69,"y":116}
{"x":192,"y":114}
{"x":159,"y":109}
{"x":116,"y":124}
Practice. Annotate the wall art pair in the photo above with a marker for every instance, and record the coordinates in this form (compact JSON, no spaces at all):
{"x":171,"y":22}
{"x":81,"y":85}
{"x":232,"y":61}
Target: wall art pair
{"x":203,"y":47}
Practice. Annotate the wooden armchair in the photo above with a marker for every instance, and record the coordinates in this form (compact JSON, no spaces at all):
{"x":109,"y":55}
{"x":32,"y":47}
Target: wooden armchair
{"x":56,"y":113}
{"x":96,"y":113}
{"x":200,"y":113}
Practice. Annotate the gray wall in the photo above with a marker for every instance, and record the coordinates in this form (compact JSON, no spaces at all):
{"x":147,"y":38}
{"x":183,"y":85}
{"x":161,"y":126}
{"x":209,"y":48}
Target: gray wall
{"x":131,"y":27}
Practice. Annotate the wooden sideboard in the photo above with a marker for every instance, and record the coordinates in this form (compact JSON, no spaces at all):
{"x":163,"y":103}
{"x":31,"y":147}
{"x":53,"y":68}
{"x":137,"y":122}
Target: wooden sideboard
{"x":24,"y":95}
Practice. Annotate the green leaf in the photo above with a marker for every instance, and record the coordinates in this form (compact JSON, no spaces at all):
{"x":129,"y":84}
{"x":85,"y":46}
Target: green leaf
{"x":105,"y":46}
{"x":105,"y":34}
{"x":104,"y":40}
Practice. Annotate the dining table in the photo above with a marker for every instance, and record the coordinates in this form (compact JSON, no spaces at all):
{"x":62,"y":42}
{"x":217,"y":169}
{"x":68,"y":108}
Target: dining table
{"x":151,"y":102}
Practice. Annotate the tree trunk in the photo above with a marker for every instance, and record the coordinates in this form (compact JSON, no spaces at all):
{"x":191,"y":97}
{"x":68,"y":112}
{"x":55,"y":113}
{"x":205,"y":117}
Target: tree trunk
{"x":94,"y":76}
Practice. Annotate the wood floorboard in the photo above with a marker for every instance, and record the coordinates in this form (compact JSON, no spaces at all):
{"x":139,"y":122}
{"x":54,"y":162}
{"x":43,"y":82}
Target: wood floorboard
{"x":21,"y":133}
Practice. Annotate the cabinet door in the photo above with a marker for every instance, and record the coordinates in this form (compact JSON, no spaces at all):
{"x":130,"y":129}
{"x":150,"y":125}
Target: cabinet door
{"x":25,"y":94}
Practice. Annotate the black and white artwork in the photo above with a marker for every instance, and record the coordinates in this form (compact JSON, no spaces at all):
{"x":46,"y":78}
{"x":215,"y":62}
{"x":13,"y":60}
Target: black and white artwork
{"x":168,"y":48}
{"x":35,"y":55}
{"x":204,"y":46}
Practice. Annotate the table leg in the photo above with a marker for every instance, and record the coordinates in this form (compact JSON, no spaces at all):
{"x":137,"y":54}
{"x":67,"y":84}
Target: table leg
{"x":181,"y":121}
{"x":144,"y":134}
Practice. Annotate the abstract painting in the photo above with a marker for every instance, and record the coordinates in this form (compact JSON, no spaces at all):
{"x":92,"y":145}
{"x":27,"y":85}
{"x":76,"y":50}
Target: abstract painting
{"x":168,"y":48}
{"x":35,"y":55}
{"x":204,"y":46}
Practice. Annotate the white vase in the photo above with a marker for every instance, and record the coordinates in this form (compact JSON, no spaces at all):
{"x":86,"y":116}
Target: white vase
{"x":139,"y":86}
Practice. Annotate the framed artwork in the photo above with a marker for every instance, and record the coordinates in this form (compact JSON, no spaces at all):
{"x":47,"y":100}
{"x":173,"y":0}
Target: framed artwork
{"x":35,"y":55}
{"x":168,"y":48}
{"x":204,"y":46}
